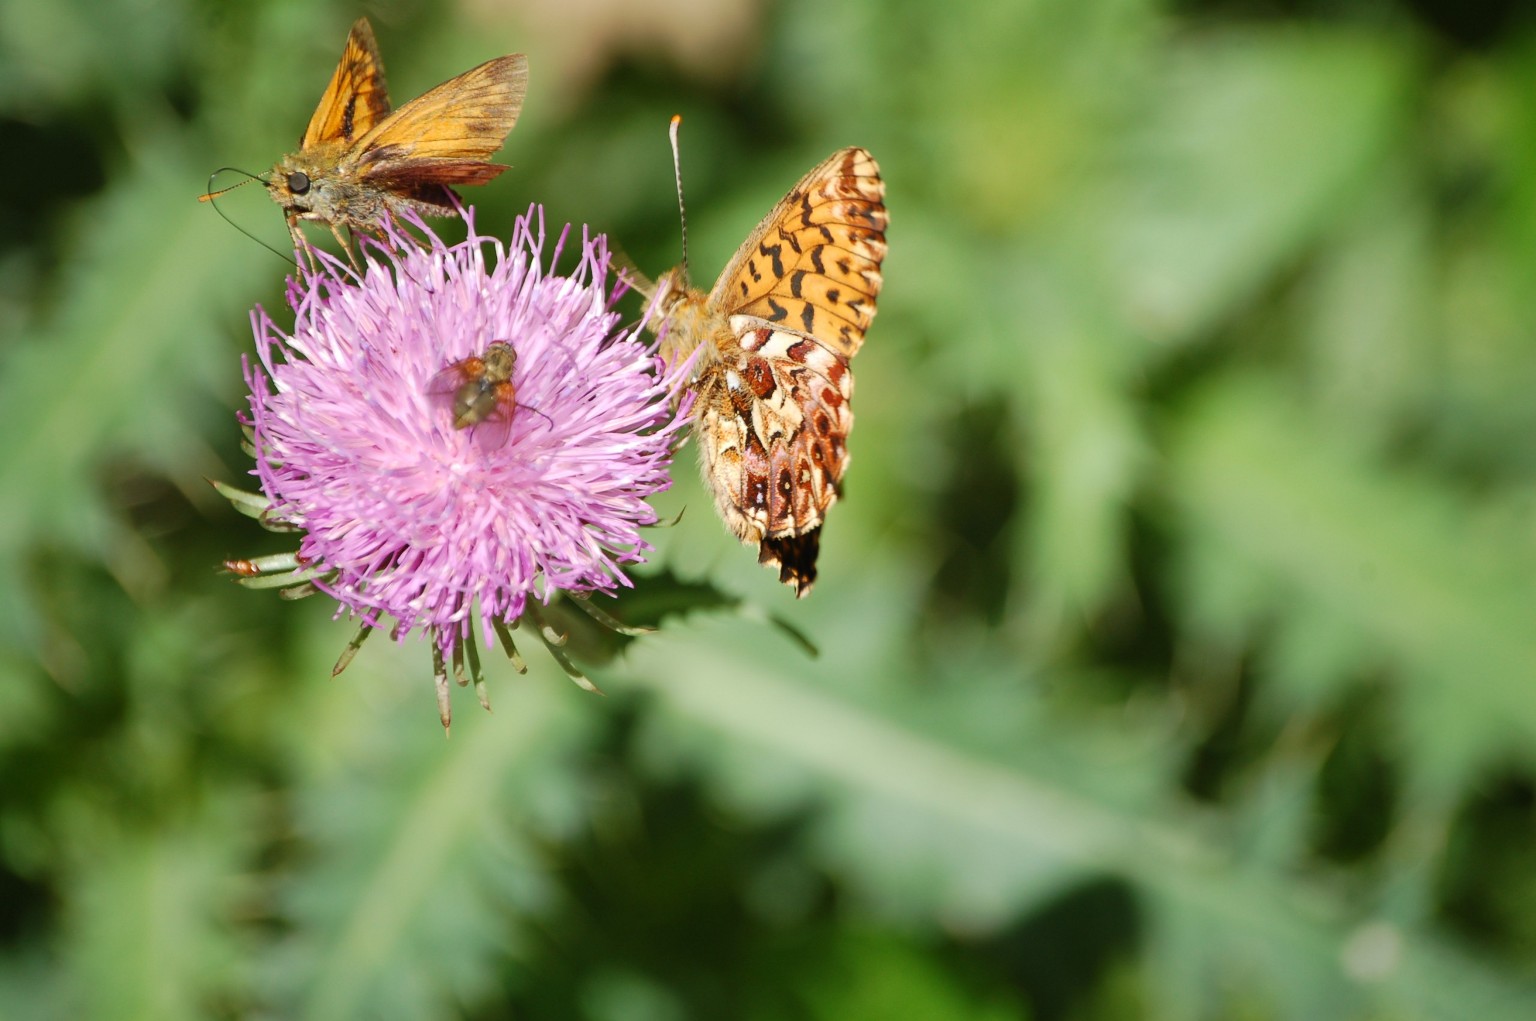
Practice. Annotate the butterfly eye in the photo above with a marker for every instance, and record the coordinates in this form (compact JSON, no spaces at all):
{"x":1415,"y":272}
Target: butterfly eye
{"x":298,"y":182}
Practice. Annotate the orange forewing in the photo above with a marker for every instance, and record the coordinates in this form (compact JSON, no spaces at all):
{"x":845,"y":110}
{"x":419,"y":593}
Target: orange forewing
{"x":463,"y":119}
{"x":813,"y":264}
{"x":357,"y":98}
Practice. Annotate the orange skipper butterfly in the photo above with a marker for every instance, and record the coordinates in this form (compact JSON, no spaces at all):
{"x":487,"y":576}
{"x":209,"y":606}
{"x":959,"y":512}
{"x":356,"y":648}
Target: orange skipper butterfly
{"x":359,"y":163}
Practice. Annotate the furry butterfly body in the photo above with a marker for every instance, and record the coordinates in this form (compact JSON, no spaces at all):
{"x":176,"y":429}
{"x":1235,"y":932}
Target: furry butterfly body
{"x":359,"y":162}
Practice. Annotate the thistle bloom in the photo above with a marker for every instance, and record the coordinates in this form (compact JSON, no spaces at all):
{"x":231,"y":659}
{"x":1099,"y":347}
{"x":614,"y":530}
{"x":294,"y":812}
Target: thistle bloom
{"x":448,"y":529}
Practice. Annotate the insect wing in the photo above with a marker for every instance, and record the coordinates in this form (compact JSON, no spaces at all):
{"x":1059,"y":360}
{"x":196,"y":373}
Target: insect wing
{"x":445,"y":135}
{"x":492,"y":432}
{"x":356,"y":98}
{"x":813,"y":264}
{"x":447,"y":382}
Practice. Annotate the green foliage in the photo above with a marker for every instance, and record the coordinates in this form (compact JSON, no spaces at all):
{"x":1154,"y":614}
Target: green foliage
{"x":1170,"y":653}
{"x":417,"y":855}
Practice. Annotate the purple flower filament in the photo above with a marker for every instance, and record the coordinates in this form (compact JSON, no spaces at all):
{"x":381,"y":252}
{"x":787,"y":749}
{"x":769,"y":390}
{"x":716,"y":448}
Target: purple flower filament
{"x":407,"y":516}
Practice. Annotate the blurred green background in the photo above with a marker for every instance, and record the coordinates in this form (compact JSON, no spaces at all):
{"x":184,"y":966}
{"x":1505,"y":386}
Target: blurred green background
{"x":1178,"y":630}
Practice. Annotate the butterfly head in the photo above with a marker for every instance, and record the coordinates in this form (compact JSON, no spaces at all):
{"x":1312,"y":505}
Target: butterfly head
{"x":211,"y":197}
{"x":301,"y":183}
{"x":685,"y":312}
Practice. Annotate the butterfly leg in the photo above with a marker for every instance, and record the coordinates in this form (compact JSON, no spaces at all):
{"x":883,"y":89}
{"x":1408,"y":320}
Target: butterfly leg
{"x":301,"y":247}
{"x":632,"y":275}
{"x":346,"y":245}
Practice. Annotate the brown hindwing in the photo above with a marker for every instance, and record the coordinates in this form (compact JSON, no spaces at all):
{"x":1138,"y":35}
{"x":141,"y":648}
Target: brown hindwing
{"x":773,"y":423}
{"x":795,"y":557}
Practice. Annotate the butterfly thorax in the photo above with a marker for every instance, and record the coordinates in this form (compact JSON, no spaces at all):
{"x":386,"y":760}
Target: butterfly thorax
{"x":690,"y":319}
{"x":324,"y":182}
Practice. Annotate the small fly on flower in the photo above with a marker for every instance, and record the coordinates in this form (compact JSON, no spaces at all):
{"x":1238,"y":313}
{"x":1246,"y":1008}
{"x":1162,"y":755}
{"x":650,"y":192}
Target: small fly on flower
{"x":484,"y":397}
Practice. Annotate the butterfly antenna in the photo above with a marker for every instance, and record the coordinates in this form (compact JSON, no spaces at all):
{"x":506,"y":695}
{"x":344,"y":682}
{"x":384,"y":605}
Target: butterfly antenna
{"x":677,"y":170}
{"x":209,"y":195}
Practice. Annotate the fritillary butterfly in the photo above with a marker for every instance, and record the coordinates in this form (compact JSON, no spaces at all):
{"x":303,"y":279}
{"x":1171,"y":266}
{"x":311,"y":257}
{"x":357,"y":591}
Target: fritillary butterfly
{"x":773,"y":385}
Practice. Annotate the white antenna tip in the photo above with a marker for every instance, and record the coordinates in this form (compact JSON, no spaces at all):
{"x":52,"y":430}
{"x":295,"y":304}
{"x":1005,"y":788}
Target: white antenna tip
{"x":677,"y":170}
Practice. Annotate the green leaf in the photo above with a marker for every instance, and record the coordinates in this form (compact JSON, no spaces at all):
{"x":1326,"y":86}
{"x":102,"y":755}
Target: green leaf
{"x":1246,"y":147}
{"x":1360,"y":565}
{"x":929,"y":823}
{"x":871,"y":975}
{"x":150,"y":914}
{"x":420,"y":861}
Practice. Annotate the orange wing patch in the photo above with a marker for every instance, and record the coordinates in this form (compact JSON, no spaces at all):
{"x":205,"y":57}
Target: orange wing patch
{"x":357,"y":98}
{"x":462,"y":121}
{"x":813,"y":264}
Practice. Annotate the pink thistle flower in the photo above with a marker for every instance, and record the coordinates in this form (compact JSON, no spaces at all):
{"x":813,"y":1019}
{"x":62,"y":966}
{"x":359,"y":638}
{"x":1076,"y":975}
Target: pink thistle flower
{"x":447,"y":529}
